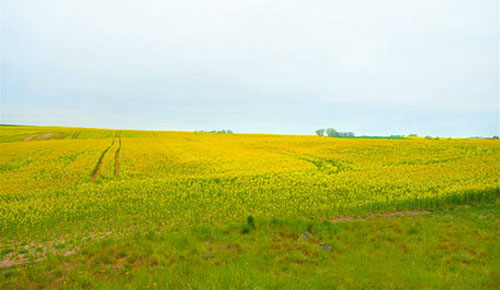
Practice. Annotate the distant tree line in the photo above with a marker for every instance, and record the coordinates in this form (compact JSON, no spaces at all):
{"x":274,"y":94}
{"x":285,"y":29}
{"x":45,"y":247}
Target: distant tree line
{"x":330,"y":132}
{"x":223,"y":131}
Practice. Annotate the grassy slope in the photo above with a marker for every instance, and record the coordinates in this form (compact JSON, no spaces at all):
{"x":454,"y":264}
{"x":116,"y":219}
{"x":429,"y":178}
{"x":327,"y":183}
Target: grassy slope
{"x":452,"y":248}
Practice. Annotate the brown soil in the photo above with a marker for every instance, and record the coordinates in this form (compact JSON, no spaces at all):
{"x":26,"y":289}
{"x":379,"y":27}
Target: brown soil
{"x":9,"y":261}
{"x":12,"y":259}
{"x":45,"y":136}
{"x":100,"y":161}
{"x":117,"y":162}
{"x":377,"y":215}
{"x":96,"y":173}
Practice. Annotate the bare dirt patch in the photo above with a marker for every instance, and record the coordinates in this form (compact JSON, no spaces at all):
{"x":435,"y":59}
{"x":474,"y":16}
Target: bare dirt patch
{"x":380,"y":215}
{"x":10,"y":261}
{"x":29,"y":138}
{"x":35,"y":252}
{"x":46,"y":136}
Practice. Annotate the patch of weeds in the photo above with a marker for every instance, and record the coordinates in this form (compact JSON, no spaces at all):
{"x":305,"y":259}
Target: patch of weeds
{"x":204,"y":233}
{"x":181,"y":243}
{"x":85,"y":280}
{"x":8,"y":274}
{"x":151,"y":235}
{"x":329,"y":228}
{"x":110,"y":252}
{"x":154,"y":261}
{"x":121,"y":254}
{"x":251,"y":221}
{"x":86,"y":252}
{"x":413,"y":230}
{"x":58,"y":272}
{"x":132,"y":258}
{"x":6,"y":251}
{"x":335,"y":246}
{"x":310,"y":227}
{"x":127,"y":266}
{"x":105,"y":243}
{"x":59,"y":246}
{"x":105,"y":259}
{"x":245,"y":229}
{"x":276,"y":221}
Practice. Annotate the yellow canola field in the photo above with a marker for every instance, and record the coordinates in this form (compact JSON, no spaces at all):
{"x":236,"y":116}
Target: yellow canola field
{"x":180,"y":179}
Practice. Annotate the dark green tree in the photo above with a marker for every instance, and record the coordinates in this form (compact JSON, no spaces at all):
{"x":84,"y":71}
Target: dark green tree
{"x":320,"y":132}
{"x":331,"y":132}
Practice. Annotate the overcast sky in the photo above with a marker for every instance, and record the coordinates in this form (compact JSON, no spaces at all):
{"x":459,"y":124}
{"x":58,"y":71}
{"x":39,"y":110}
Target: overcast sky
{"x":371,"y":67}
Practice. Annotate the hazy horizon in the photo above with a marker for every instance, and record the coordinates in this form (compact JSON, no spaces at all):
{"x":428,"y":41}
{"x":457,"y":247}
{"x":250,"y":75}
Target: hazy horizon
{"x":373,"y":68}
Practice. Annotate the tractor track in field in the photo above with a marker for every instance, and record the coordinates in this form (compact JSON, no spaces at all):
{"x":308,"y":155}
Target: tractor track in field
{"x":76,"y":135}
{"x":117,"y":159}
{"x":117,"y":156}
{"x":98,"y":166}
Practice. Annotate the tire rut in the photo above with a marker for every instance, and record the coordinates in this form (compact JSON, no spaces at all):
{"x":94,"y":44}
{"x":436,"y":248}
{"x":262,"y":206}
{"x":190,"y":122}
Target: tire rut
{"x":117,"y":157}
{"x":98,"y":166}
{"x":76,"y":135}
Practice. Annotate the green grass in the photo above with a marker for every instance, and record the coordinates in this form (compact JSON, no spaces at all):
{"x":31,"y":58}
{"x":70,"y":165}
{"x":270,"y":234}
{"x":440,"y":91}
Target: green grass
{"x":450,"y":248}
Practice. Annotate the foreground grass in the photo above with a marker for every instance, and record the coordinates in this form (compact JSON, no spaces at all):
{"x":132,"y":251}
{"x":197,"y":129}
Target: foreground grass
{"x":452,"y":248}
